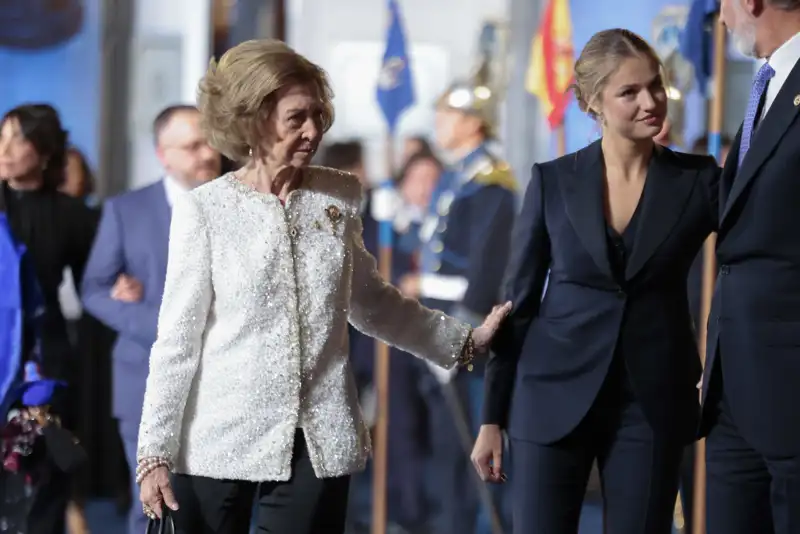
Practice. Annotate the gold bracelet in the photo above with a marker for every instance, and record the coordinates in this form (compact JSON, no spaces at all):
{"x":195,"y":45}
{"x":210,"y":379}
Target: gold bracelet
{"x":467,"y":354}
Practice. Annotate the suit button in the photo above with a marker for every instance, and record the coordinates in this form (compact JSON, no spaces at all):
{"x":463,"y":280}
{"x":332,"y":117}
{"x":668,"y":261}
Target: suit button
{"x":621,"y":294}
{"x":724,"y":269}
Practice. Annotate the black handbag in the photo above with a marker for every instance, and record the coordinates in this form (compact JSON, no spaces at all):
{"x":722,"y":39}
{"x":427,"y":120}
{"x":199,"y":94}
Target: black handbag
{"x":165,"y":525}
{"x":63,"y":448}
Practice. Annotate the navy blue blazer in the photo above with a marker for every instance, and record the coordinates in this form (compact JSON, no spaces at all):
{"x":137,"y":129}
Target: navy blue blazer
{"x":754,"y":324}
{"x":553,"y":352}
{"x":133,"y":239}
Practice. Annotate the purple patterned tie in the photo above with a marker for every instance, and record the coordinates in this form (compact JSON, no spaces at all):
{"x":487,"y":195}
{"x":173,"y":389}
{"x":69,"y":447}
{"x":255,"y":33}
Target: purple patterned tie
{"x":765,"y":73}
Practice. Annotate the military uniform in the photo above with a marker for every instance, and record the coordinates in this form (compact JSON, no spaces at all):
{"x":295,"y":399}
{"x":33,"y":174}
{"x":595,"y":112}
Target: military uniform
{"x":465,"y":240}
{"x":465,"y":237}
{"x":405,"y":498}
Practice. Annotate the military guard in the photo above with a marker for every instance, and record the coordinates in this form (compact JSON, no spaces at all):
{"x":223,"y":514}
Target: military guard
{"x":465,"y":240}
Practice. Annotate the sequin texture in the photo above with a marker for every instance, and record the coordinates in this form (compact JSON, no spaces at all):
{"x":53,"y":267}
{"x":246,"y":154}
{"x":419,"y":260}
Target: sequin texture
{"x":252,"y":339}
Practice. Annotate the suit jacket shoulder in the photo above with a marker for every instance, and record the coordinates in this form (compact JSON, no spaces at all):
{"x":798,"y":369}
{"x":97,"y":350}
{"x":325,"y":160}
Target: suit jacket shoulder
{"x":339,"y":185}
{"x":689,"y":161}
{"x":570,"y":162}
{"x":137,"y":196}
{"x":592,"y":155}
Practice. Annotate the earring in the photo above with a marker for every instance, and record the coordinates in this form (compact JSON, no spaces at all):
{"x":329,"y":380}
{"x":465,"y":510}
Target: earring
{"x":250,"y":152}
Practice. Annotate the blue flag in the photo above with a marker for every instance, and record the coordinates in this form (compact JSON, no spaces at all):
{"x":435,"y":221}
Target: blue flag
{"x":697,"y":40}
{"x":395,"y":86}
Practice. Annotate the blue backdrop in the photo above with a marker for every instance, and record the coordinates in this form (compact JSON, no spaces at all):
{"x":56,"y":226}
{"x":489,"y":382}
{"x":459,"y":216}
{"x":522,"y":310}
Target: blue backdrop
{"x":66,"y":75}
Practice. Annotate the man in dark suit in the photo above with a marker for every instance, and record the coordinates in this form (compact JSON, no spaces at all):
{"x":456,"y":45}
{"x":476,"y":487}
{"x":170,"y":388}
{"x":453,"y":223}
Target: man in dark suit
{"x":752,"y":373}
{"x":124,"y":278}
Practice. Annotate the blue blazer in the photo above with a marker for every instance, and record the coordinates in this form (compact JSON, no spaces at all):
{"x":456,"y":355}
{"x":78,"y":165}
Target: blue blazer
{"x":553,"y":352}
{"x":21,"y":308}
{"x":132,"y":239}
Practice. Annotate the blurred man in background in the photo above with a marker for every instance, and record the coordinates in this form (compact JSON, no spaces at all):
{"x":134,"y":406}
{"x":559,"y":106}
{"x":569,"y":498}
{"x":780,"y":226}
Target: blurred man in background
{"x":124,"y":278}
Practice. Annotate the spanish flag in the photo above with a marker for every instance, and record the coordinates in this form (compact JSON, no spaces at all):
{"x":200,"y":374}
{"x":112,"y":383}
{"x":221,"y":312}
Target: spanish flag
{"x":552,"y":60}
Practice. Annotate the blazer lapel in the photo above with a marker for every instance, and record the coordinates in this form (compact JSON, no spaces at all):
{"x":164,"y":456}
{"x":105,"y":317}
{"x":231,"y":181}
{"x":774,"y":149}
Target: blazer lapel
{"x":664,"y":196}
{"x":729,"y":174}
{"x":583,"y":189}
{"x":766,"y":137}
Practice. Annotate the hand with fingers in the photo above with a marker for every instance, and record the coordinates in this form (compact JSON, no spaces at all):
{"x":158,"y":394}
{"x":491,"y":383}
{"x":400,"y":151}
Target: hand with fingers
{"x":482,"y":335}
{"x":487,"y":455}
{"x":156,"y":491}
{"x":127,"y":289}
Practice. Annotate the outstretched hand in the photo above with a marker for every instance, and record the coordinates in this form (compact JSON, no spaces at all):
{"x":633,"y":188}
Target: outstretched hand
{"x":482,"y":336}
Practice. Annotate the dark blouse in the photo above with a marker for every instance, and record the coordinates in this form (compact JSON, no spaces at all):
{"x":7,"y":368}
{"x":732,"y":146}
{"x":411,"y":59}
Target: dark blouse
{"x":58,"y":232}
{"x":619,"y":250}
{"x":621,"y":245}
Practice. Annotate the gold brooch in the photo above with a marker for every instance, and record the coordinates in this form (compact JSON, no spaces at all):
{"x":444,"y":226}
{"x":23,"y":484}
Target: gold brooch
{"x":333,"y":213}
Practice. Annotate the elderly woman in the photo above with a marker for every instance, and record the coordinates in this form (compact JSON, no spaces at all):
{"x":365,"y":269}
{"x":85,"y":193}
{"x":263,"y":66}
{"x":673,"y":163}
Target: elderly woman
{"x":250,"y":392}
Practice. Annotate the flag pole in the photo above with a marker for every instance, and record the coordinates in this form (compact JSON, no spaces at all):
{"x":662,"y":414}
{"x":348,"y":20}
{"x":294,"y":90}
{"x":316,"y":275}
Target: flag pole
{"x":715,"y":124}
{"x":381,"y":376}
{"x":395,"y":93}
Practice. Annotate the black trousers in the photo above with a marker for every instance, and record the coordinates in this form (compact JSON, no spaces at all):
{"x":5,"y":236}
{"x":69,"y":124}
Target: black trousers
{"x":48,"y":513}
{"x":639,"y":472}
{"x":747,"y":492}
{"x":304,"y":504}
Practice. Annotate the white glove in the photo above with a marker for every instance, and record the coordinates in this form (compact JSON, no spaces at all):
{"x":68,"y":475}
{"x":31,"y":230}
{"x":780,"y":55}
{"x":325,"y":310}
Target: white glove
{"x":369,"y":405}
{"x":386,"y":202}
{"x":443,"y":376}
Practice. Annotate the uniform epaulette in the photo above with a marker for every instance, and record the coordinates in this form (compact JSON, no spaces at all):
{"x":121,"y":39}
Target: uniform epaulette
{"x":500,"y":174}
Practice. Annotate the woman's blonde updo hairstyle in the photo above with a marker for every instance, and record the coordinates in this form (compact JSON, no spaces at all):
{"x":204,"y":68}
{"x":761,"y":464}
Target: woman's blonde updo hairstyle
{"x":239,"y":92}
{"x":600,"y":58}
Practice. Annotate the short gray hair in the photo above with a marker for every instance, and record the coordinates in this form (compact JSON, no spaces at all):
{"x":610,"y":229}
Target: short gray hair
{"x":785,"y":5}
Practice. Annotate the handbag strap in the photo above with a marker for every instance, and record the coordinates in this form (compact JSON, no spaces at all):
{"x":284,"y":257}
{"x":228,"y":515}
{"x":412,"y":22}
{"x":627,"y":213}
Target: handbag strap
{"x":165,"y":525}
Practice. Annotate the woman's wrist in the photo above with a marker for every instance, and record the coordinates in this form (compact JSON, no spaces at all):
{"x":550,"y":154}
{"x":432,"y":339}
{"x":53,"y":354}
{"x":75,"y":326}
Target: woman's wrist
{"x":467,"y":353}
{"x":148,"y":465}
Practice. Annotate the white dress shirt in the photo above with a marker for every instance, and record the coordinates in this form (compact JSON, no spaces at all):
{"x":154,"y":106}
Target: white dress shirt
{"x":252,"y":333}
{"x":173,"y":189}
{"x":782,"y":62}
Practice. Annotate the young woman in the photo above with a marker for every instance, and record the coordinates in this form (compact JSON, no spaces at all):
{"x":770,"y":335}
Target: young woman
{"x":602,"y":364}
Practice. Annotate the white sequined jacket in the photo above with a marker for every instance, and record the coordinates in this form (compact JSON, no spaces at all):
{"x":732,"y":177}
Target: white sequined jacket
{"x":252,"y":333}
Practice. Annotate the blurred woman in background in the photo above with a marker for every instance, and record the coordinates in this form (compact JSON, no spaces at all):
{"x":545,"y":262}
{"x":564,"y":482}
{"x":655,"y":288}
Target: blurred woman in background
{"x":78,"y":177}
{"x":58,"y":231}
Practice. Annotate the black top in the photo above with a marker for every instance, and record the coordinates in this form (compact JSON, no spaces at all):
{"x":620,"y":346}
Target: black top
{"x":58,"y":232}
{"x":621,"y":245}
